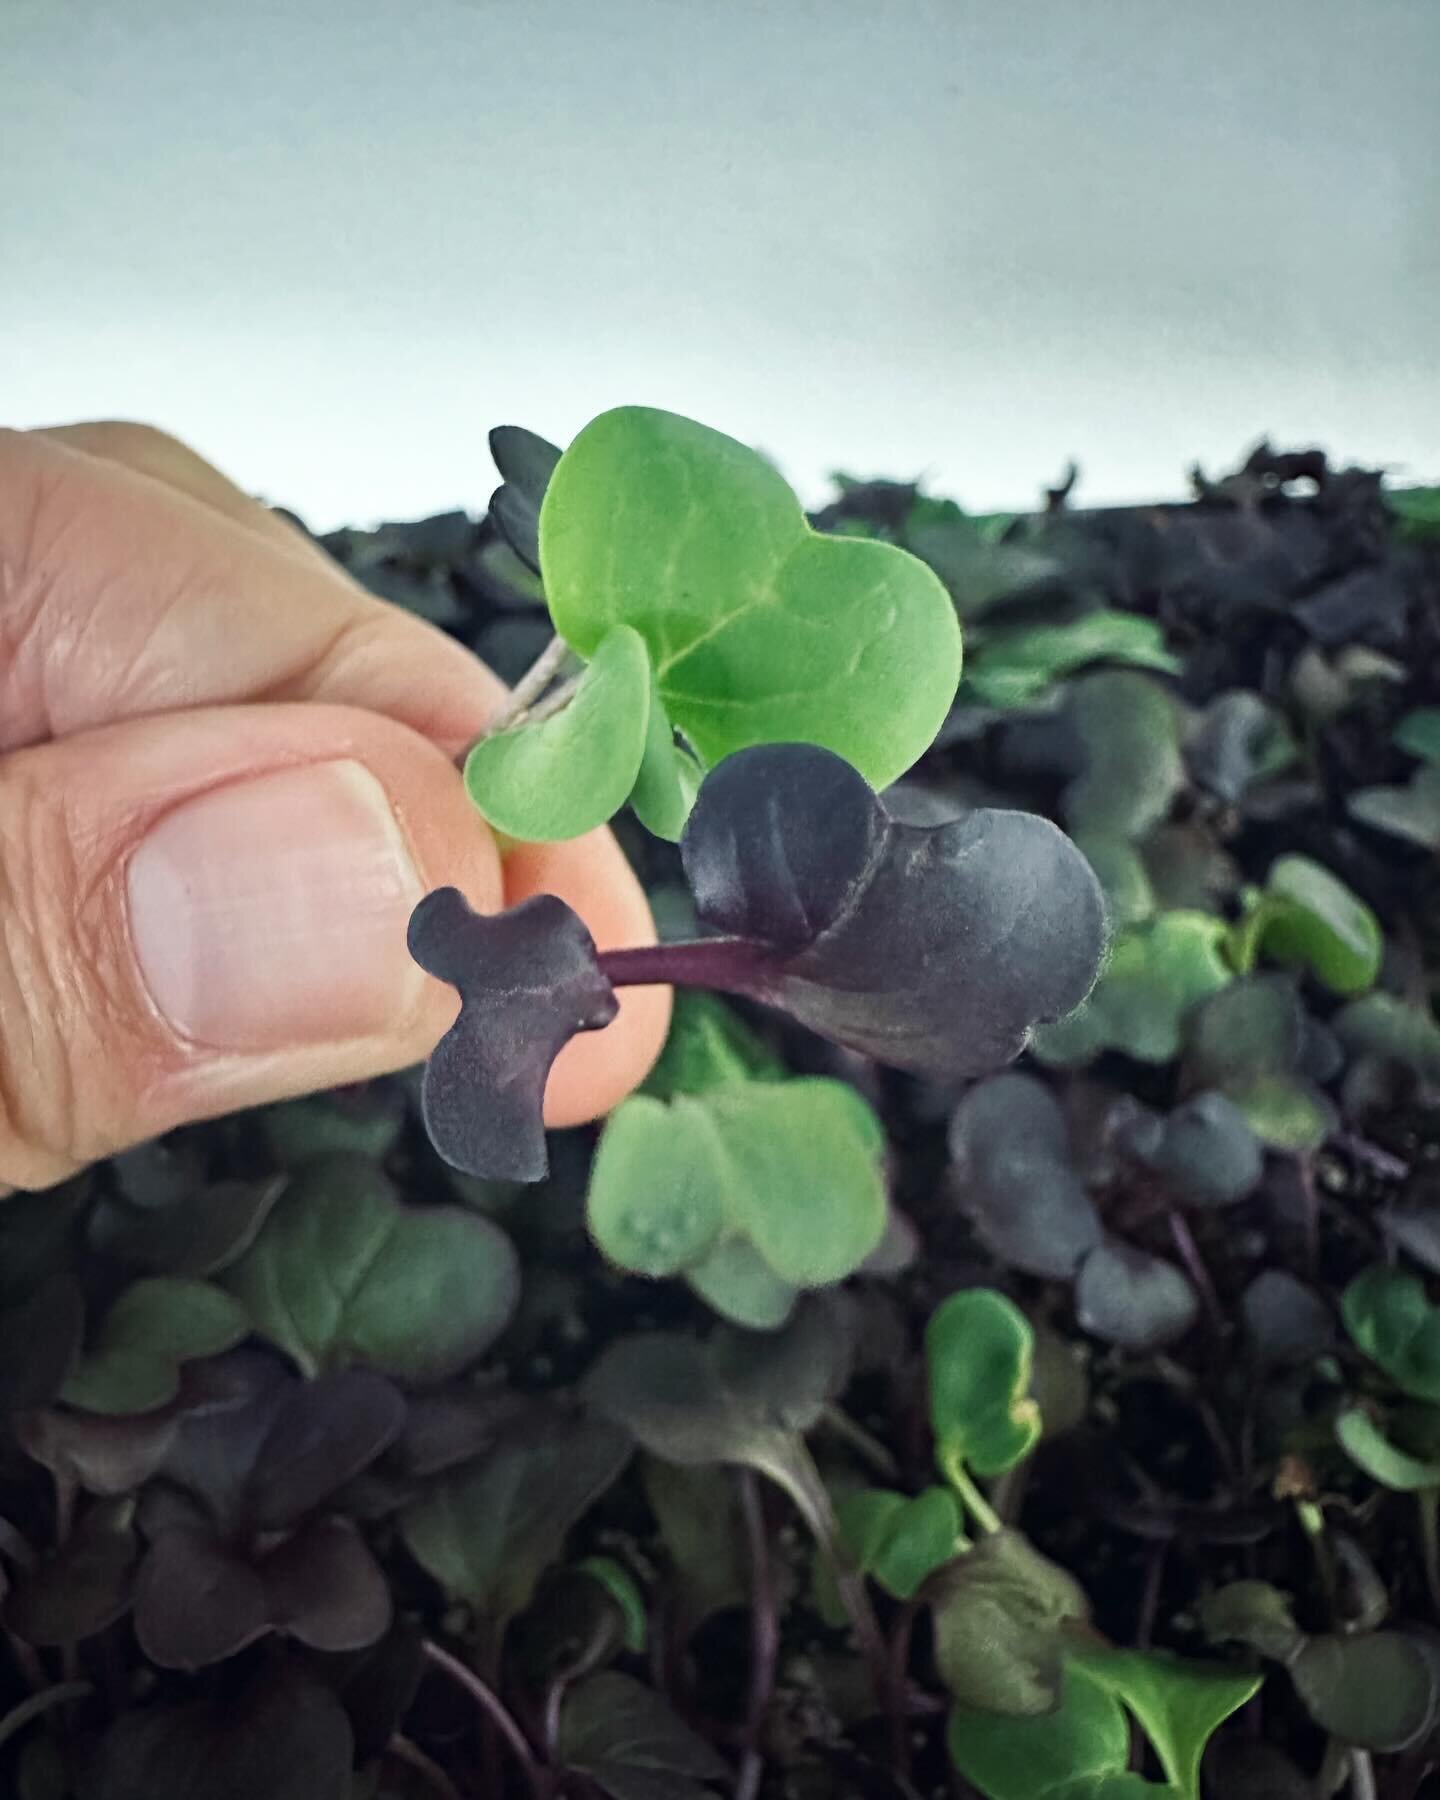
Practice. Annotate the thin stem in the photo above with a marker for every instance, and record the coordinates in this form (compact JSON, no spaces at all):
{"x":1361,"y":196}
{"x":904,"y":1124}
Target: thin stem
{"x":550,"y":1721}
{"x":531,"y":685}
{"x":1150,"y":1593}
{"x":869,"y":1449}
{"x":15,"y":1545}
{"x":1195,"y":1267}
{"x":66,"y":1492}
{"x":1312,"y":1523}
{"x":1427,"y":1502}
{"x":1305,"y":1175}
{"x":792,"y":1468}
{"x":1183,"y":1382}
{"x":850,"y":1588}
{"x":764,"y":1634}
{"x":723,"y":963}
{"x":496,"y":1711}
{"x":971,"y":1498}
{"x":554,"y":703}
{"x":1362,"y":1776}
{"x":61,"y":1694}
{"x":897,"y":1698}
{"x":403,"y":1750}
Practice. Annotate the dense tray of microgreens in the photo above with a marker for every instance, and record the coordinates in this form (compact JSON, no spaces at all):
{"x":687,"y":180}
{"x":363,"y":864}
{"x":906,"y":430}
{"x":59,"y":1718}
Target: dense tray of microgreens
{"x":993,"y":1353}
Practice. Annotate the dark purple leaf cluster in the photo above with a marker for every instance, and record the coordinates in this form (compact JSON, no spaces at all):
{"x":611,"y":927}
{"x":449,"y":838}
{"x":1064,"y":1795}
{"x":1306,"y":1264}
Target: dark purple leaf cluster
{"x":235,"y":1540}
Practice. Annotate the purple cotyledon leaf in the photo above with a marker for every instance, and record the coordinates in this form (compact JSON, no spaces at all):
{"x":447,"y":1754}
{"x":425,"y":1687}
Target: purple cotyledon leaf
{"x":528,"y":981}
{"x":928,"y":947}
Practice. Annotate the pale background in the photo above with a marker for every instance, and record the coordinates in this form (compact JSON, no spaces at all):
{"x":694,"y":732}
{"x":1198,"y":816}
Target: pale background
{"x":332,"y":241}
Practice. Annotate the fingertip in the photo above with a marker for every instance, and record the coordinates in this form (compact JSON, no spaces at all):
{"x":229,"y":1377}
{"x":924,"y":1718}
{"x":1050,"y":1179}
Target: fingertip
{"x":598,"y":1069}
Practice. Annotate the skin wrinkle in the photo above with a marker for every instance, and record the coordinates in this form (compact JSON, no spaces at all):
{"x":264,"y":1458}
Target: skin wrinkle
{"x":23,"y":605}
{"x":92,"y":963}
{"x":59,"y":483}
{"x":54,"y":634}
{"x":321,"y":663}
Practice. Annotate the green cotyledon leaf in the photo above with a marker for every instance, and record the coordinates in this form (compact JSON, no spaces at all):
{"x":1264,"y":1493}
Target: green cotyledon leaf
{"x":760,"y":629}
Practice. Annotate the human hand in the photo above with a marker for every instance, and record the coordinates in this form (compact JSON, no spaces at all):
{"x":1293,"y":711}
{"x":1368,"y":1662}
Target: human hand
{"x":226,"y":776}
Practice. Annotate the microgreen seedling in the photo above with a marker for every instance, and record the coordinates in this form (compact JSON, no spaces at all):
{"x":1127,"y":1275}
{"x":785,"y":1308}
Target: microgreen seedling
{"x":932,"y":948}
{"x":1306,"y":917}
{"x":978,"y":1347}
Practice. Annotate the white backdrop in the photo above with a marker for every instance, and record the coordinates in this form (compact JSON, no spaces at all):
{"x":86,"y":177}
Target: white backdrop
{"x":332,"y":241}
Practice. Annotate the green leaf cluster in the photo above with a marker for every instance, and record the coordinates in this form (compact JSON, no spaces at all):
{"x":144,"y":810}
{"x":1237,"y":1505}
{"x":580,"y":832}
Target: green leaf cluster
{"x":1018,"y":664}
{"x":751,"y":1187}
{"x":900,"y":1540}
{"x":344,"y":1273}
{"x":680,"y":566}
{"x":1081,"y":1750}
{"x":1378,"y":1690}
{"x":1409,"y":811}
{"x":1155,"y":974}
{"x":1389,"y":1315}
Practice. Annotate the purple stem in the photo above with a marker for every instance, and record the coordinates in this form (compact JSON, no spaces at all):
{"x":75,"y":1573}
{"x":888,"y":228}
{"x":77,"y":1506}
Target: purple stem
{"x":764,"y":1634}
{"x":404,"y":1751}
{"x":896,"y":1699}
{"x":1150,"y":1593}
{"x":495,"y":1710}
{"x":729,"y":964}
{"x":1199,"y":1274}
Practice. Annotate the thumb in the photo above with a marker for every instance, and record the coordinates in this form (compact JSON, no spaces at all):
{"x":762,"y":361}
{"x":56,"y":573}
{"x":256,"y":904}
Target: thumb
{"x":206,"y":911}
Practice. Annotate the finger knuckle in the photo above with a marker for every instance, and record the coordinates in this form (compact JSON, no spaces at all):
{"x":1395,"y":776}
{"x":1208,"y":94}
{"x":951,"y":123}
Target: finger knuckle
{"x":41,"y":508}
{"x":60,"y":996}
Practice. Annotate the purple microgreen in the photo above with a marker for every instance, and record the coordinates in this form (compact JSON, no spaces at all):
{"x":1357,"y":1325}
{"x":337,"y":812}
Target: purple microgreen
{"x":528,"y":981}
{"x":1204,"y":1151}
{"x":197,"y":1234}
{"x":931,"y":948}
{"x":282,"y":1733}
{"x":1129,"y":1297}
{"x":325,"y":1433}
{"x":81,"y":1586}
{"x":1014,"y":1177}
{"x":1287,"y":1324}
{"x":239,"y":1545}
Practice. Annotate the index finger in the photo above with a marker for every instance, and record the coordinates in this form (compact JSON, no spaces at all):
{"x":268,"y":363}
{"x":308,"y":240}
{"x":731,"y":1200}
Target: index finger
{"x":122,"y":596}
